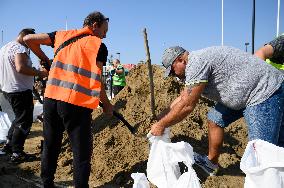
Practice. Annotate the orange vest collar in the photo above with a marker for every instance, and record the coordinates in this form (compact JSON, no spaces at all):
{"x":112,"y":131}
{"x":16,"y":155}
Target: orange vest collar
{"x":86,"y":30}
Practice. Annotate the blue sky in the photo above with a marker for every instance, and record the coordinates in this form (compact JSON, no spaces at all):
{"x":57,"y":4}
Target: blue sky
{"x":193,"y":24}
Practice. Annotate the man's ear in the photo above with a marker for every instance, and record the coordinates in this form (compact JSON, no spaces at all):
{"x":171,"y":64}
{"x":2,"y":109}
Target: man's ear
{"x":95,"y":25}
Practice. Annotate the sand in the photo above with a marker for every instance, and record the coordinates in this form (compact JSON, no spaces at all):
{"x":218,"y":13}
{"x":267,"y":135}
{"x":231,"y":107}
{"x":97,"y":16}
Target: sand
{"x":117,"y":153}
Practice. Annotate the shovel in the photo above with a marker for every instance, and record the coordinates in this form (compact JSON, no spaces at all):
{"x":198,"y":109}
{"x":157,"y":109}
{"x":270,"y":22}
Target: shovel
{"x":121,"y":118}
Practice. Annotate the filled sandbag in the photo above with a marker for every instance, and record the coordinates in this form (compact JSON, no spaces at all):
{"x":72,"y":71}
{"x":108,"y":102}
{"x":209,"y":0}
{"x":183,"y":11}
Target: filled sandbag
{"x":5,"y":124}
{"x":163,"y":163}
{"x":263,"y":164}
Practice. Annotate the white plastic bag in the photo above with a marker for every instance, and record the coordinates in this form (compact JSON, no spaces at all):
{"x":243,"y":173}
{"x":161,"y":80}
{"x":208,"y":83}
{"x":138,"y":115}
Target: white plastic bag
{"x":38,"y":110}
{"x":263,"y":164}
{"x":5,"y":125}
{"x":140,"y":180}
{"x":162,"y":167}
{"x":6,"y":107}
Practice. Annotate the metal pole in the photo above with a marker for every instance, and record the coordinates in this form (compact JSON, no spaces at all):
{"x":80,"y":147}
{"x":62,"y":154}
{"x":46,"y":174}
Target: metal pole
{"x":222,"y":23}
{"x":2,"y":33}
{"x":66,"y":25}
{"x":118,"y":53}
{"x":278,"y":15}
{"x":246,"y":46}
{"x":253,"y":27}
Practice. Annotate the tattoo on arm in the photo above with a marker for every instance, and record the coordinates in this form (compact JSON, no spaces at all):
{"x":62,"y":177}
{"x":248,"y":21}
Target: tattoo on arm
{"x":189,"y":90}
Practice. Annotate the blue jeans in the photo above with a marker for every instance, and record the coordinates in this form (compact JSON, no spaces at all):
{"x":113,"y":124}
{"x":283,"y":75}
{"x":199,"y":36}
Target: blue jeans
{"x":265,"y":120}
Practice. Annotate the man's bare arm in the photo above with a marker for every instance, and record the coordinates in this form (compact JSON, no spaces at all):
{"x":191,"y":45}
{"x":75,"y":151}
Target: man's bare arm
{"x":264,"y":52}
{"x":186,"y":104}
{"x":33,"y":41}
{"x":22,"y":67}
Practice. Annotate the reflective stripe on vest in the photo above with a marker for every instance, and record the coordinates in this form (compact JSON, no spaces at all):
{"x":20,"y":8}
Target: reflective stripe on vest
{"x":278,"y":66}
{"x":74,"y":76}
{"x":77,"y":70}
{"x":76,"y":87}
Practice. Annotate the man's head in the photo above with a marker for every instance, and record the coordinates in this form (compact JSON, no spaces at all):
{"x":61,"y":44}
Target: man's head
{"x":23,"y":33}
{"x":174,"y":60}
{"x":98,"y":23}
{"x":115,"y":62}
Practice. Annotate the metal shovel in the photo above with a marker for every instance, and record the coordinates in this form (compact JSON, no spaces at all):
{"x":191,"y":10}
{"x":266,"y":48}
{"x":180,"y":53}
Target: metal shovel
{"x":121,"y":118}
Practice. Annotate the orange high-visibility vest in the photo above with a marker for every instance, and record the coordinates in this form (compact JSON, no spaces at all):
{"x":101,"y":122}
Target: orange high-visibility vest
{"x":74,"y":76}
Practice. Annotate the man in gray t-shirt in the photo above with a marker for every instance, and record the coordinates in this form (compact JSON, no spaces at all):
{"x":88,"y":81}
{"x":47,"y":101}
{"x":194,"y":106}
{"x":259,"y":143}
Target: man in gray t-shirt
{"x":234,"y":78}
{"x":240,"y":83}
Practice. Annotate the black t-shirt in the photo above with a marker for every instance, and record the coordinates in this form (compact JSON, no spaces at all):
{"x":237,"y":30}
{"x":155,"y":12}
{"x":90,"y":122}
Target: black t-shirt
{"x":102,"y":53}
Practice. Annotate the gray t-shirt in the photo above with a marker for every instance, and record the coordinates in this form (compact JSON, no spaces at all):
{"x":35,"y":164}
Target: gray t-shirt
{"x":234,"y":78}
{"x":10,"y":80}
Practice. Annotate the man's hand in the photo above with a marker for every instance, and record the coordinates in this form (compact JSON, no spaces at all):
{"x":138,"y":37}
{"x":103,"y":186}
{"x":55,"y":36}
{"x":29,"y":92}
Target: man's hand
{"x":46,"y":64}
{"x":43,"y":73}
{"x":157,"y":129}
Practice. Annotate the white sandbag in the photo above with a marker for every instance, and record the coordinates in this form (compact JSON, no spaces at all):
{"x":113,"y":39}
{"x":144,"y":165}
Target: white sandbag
{"x":140,"y":180}
{"x":5,"y":125}
{"x":263,"y":164}
{"x":162,"y":166}
{"x":188,"y":180}
{"x":38,"y":110}
{"x":6,"y":107}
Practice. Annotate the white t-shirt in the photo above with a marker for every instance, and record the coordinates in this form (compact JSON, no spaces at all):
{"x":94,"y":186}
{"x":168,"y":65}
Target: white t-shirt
{"x":10,"y":80}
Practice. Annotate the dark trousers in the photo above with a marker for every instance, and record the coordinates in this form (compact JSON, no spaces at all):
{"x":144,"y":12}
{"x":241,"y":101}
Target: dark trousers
{"x":60,"y":116}
{"x":22,"y":105}
{"x":117,"y":89}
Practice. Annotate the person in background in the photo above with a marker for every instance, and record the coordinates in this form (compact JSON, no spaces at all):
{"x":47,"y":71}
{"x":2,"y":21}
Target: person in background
{"x":16,"y":81}
{"x":74,"y":88}
{"x":241,"y":84}
{"x":118,"y":77}
{"x":273,"y":52}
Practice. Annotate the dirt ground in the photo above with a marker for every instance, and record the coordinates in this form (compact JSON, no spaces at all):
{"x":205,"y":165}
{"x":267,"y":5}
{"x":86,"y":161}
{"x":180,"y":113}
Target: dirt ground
{"x":117,"y":153}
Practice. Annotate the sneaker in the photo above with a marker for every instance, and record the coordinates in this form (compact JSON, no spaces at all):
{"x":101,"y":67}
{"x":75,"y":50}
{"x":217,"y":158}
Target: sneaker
{"x":203,"y":162}
{"x":17,"y":158}
{"x":7,"y":149}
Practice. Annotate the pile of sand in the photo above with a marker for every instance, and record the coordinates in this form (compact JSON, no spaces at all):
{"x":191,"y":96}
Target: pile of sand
{"x":117,"y":153}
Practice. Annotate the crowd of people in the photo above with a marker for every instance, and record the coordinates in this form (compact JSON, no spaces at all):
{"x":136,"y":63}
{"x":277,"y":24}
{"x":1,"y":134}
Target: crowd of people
{"x":242,"y":84}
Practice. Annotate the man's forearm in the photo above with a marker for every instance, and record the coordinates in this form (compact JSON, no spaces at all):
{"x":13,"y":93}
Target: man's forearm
{"x":33,"y":41}
{"x":176,"y":114}
{"x":39,"y":53}
{"x":182,"y":106}
{"x":29,"y":71}
{"x":168,"y":109}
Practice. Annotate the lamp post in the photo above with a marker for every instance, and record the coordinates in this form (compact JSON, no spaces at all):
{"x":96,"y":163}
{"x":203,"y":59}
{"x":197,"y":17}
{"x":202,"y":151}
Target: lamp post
{"x":246,"y":46}
{"x":118,"y":55}
{"x":2,"y":33}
